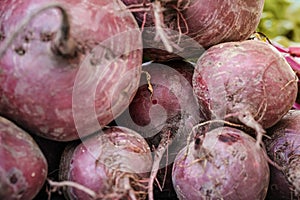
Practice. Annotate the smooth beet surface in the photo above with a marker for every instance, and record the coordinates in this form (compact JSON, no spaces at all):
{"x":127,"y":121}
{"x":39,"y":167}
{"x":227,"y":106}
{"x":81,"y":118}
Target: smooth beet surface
{"x":222,"y":164}
{"x":23,"y":167}
{"x":63,"y":95}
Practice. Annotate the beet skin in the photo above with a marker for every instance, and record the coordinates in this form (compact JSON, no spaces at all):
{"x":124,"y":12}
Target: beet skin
{"x":284,"y":148}
{"x":23,"y":167}
{"x":222,"y":164}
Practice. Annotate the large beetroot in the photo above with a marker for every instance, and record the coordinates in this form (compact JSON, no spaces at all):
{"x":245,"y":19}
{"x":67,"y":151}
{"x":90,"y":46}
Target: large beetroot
{"x":284,"y":148}
{"x":221,"y":164}
{"x":69,"y":67}
{"x":23,"y":167}
{"x":207,"y":22}
{"x":246,"y":82}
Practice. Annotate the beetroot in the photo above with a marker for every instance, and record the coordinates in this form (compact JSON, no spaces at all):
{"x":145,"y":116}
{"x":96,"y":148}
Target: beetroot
{"x":70,"y":76}
{"x":284,"y":148}
{"x":206,"y":22}
{"x":164,"y":113}
{"x":223,"y":163}
{"x":246,"y":82}
{"x":23,"y":167}
{"x":114,"y":164}
{"x":170,"y":94}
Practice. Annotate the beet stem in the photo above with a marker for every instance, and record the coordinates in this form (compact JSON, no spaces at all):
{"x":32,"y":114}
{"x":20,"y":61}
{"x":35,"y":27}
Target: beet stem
{"x":247,"y":119}
{"x":139,"y":7}
{"x":160,"y":33}
{"x":290,"y":82}
{"x":74,"y":185}
{"x":166,"y":171}
{"x":293,"y":63}
{"x":144,"y":21}
{"x":148,"y":77}
{"x":64,"y":46}
{"x":159,"y":152}
{"x":269,"y":160}
{"x":158,"y":184}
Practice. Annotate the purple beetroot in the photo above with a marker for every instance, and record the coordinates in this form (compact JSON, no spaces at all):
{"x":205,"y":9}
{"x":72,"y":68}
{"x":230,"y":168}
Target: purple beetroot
{"x":23,"y":167}
{"x":246,"y":82}
{"x":113,"y":164}
{"x":221,"y":164}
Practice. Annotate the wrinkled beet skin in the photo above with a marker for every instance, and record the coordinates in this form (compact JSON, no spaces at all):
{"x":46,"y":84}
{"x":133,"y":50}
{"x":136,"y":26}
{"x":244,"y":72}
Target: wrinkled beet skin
{"x":250,"y":76}
{"x":23,"y":167}
{"x":234,"y":168}
{"x":89,"y":162}
{"x":209,"y":22}
{"x":283,"y":147}
{"x":223,"y":21}
{"x":37,"y":87}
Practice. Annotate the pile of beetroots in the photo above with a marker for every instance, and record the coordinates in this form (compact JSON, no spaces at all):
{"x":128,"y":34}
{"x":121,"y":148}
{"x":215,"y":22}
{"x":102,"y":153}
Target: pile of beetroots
{"x":141,"y":99}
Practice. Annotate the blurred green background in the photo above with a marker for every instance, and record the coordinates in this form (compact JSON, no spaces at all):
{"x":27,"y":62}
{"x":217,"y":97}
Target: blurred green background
{"x":280,"y":21}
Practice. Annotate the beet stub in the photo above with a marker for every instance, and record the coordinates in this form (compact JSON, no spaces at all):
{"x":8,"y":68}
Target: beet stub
{"x":284,"y":148}
{"x":23,"y":167}
{"x":114,"y":164}
{"x":223,"y":163}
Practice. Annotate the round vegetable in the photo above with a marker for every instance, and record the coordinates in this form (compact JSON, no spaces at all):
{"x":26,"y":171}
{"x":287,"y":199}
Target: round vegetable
{"x":207,"y":22}
{"x":246,"y":82}
{"x":165,"y":112}
{"x":67,"y":77}
{"x":23,"y":167}
{"x":284,"y":148}
{"x":165,"y":91}
{"x":221,"y":164}
{"x":114,"y":164}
